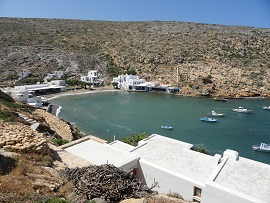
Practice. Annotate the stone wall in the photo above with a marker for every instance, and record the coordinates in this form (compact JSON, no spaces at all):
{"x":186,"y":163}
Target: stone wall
{"x":21,"y":138}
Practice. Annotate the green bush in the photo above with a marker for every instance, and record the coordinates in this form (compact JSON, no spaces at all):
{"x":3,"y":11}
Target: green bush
{"x":131,"y":72}
{"x":6,"y":116}
{"x":6,"y":97}
{"x":113,"y":71}
{"x":60,"y":141}
{"x":201,"y":149}
{"x":134,"y":139}
{"x":207,"y":80}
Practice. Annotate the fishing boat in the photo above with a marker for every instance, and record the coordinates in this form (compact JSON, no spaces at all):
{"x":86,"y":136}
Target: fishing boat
{"x":240,"y":109}
{"x":220,"y":99}
{"x":213,"y":113}
{"x":207,"y":119}
{"x":166,"y":127}
{"x":266,"y":108}
{"x":262,"y":147}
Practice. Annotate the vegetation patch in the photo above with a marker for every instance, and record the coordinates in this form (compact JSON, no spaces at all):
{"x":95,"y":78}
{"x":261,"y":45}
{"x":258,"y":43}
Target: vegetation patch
{"x":134,"y":139}
{"x":207,"y":80}
{"x":6,"y":116}
{"x":60,"y":141}
{"x":201,"y":149}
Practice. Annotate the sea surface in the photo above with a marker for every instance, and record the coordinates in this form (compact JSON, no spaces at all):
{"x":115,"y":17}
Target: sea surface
{"x":119,"y":114}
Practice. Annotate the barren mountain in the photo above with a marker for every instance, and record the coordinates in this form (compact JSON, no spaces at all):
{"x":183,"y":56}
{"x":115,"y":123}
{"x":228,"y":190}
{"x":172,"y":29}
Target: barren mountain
{"x":230,"y":61}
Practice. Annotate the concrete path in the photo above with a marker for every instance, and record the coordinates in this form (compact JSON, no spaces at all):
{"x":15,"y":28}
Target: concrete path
{"x":66,"y":159}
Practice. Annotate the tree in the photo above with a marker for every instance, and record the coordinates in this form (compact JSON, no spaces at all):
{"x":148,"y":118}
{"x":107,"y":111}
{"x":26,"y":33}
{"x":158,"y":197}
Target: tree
{"x":115,"y":85}
{"x":134,"y":139}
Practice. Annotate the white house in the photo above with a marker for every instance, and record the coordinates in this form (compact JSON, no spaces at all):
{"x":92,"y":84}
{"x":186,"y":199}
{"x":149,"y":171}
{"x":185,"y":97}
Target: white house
{"x":18,"y":94}
{"x":134,"y":83}
{"x":130,"y":82}
{"x":175,"y":167}
{"x":23,"y":74}
{"x":56,"y":75}
{"x":92,"y":77}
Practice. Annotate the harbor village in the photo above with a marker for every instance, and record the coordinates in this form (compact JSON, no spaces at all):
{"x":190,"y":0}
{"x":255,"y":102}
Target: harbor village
{"x":164,"y":164}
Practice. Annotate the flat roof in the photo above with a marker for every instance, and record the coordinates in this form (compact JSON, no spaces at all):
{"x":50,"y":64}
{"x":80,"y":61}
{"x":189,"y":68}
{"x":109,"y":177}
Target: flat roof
{"x":98,"y":153}
{"x":44,"y":88}
{"x":177,"y":156}
{"x":246,"y":176}
{"x":121,"y":145}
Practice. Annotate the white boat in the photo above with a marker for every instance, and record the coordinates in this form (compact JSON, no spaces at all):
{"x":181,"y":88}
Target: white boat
{"x":240,"y":109}
{"x":213,"y":113}
{"x":166,"y":127}
{"x":266,"y":108}
{"x":207,"y":119}
{"x":262,"y":147}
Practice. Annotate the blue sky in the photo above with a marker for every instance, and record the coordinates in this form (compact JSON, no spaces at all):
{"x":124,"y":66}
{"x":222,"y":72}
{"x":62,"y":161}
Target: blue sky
{"x":254,"y":13}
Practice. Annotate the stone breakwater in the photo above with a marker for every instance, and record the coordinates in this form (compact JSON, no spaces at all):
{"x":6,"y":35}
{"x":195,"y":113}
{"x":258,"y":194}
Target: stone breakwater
{"x":59,"y":126}
{"x":21,"y":138}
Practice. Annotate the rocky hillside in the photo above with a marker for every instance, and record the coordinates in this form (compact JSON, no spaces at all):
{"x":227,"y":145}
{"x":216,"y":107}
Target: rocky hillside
{"x":221,"y":60}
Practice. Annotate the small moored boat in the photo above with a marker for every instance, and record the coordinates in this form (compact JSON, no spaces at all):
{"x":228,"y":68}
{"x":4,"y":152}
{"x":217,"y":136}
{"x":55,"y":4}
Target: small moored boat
{"x":213,"y":113}
{"x":262,"y":147}
{"x":266,"y":108}
{"x":240,"y":109}
{"x":207,"y":119}
{"x":166,"y":127}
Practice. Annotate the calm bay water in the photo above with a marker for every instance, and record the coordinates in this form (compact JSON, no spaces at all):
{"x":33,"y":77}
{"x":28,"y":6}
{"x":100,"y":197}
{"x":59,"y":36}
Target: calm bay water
{"x":123,"y":113}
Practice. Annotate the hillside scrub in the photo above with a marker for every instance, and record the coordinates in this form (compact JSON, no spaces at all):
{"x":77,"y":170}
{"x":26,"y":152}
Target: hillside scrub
{"x":155,"y":50}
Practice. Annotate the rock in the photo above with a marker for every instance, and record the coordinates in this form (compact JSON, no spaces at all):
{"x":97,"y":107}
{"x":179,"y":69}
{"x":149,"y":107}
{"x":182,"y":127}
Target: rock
{"x":2,"y":143}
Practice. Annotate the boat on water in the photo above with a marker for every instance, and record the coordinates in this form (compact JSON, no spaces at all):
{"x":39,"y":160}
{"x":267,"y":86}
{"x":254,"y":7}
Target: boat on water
{"x":166,"y":127}
{"x":207,"y":119}
{"x":220,"y":99}
{"x":241,"y":109}
{"x":262,"y":147}
{"x":213,"y":113}
{"x":266,"y":108}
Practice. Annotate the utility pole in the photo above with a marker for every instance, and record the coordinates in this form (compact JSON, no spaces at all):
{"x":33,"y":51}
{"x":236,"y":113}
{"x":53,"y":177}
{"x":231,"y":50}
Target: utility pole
{"x":177,"y":76}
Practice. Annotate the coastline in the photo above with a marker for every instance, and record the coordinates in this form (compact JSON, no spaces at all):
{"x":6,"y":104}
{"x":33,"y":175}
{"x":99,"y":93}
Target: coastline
{"x":49,"y":97}
{"x":76,"y":92}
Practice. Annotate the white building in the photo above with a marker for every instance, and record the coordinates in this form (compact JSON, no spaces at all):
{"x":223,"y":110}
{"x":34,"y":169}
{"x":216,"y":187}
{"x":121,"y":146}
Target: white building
{"x":134,"y":83}
{"x":92,"y":77}
{"x":56,"y":75}
{"x":176,"y":168}
{"x":35,"y":101}
{"x":24,"y":92}
{"x":130,"y":82}
{"x":20,"y":95}
{"x":23,"y":74}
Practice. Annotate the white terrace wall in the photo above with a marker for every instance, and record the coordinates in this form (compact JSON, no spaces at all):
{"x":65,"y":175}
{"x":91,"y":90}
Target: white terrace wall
{"x":215,"y":193}
{"x":168,"y":181}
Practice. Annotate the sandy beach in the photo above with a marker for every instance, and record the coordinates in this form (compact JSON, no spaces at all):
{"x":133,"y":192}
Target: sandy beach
{"x":77,"y":92}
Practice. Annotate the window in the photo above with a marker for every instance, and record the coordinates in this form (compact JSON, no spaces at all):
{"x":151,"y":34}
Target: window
{"x":197,"y":194}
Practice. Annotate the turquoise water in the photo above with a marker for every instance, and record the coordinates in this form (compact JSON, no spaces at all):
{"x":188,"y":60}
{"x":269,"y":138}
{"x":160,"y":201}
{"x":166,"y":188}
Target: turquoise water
{"x":123,"y":113}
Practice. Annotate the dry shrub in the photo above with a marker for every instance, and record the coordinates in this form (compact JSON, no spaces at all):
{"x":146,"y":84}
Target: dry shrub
{"x":175,"y":195}
{"x":17,"y":186}
{"x":161,"y":198}
{"x":38,"y":159}
{"x":67,"y":190}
